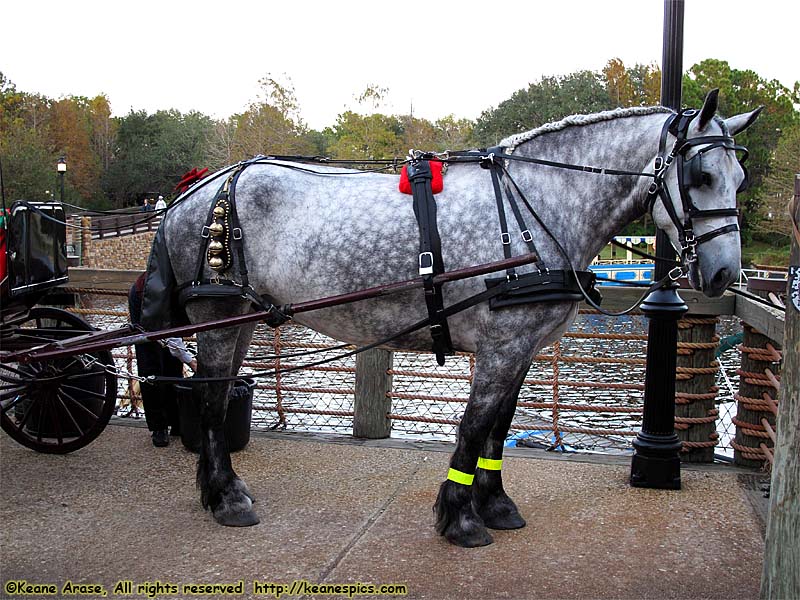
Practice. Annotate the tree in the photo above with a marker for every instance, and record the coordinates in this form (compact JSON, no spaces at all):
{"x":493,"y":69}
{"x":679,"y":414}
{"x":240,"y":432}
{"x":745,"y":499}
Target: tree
{"x":104,"y":130}
{"x":28,"y":165}
{"x":271,"y":125}
{"x":153,"y":151}
{"x":454,"y":134}
{"x":639,"y":85}
{"x":368,"y":137}
{"x":618,"y":83}
{"x":742,"y":91}
{"x":778,"y":186}
{"x":550,"y":99}
{"x":220,"y":144}
{"x":418,"y":134}
{"x":70,"y":135}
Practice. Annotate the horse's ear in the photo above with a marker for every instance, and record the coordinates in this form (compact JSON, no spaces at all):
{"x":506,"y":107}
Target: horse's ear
{"x":709,"y":109}
{"x":743,"y":121}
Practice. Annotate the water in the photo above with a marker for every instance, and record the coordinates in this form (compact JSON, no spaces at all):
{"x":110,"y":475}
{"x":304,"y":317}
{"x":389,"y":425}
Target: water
{"x":428,"y":400}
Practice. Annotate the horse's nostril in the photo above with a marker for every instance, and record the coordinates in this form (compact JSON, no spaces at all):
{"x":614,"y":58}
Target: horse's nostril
{"x":722,"y":277}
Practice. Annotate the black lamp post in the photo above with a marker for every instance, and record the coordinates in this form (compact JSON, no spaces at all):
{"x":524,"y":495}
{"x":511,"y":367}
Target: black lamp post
{"x":656,"y":461}
{"x":61,"y":167}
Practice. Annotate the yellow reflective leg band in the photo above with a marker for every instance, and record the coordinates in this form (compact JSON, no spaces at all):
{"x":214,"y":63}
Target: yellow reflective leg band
{"x":460,"y":477}
{"x":490,"y":464}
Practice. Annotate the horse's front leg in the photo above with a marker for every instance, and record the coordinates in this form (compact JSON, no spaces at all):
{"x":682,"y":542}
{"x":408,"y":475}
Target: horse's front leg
{"x":498,"y":374}
{"x":221,"y":489}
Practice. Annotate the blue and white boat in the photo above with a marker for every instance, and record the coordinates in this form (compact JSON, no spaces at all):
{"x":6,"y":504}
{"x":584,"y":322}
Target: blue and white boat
{"x":627,"y":270}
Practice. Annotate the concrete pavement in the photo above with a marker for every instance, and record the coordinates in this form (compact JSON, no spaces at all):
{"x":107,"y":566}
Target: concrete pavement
{"x":121,"y":510}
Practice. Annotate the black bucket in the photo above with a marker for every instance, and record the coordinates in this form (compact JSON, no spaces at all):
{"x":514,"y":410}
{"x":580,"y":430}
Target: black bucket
{"x":237,"y":418}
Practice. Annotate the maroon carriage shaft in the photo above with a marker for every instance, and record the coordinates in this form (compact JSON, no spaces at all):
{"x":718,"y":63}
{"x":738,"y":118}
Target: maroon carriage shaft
{"x":90,"y":343}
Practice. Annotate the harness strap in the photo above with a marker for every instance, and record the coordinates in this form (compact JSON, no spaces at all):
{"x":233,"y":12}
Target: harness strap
{"x":496,"y":170}
{"x":204,"y":232}
{"x":430,"y":256}
{"x":237,"y":240}
{"x":505,"y":238}
{"x":525,"y":233}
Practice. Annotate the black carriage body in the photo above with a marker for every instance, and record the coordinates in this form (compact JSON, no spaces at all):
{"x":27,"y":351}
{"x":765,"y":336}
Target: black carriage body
{"x":36,"y":247}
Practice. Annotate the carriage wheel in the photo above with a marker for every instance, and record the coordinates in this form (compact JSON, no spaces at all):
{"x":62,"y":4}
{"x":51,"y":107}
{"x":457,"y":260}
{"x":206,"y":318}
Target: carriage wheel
{"x":59,"y":405}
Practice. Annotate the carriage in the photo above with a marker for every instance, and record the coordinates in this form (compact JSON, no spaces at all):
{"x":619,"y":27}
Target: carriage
{"x":54,"y":406}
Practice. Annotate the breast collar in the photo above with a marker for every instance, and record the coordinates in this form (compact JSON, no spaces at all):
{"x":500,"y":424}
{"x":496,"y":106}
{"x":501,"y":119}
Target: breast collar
{"x":690,"y":174}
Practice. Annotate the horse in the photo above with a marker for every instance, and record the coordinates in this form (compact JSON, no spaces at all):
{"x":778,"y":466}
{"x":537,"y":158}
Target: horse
{"x":309,"y":233}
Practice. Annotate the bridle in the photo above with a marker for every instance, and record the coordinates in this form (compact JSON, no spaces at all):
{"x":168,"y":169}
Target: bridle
{"x":690,"y":174}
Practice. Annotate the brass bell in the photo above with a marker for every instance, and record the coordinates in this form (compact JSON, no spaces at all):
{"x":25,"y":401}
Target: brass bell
{"x":216,"y":229}
{"x":215,"y":247}
{"x":219,"y":211}
{"x":215,"y":262}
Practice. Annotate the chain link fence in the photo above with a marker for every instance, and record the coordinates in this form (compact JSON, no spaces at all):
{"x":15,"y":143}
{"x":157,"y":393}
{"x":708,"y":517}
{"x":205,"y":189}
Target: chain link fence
{"x":582,"y":393}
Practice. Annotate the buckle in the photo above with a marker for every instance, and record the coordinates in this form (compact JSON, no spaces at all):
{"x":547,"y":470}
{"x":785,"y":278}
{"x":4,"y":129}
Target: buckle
{"x":205,"y":232}
{"x":526,"y":236}
{"x":426,"y":269}
{"x":237,"y":233}
{"x":505,"y":238}
{"x":659,"y":164}
{"x":654,"y":187}
{"x":676,"y":273}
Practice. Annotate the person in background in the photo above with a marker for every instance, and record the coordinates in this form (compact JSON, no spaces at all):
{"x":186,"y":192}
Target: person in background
{"x":160,"y":204}
{"x":160,"y":402}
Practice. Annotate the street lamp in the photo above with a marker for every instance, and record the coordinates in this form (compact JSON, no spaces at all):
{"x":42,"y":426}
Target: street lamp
{"x":61,"y":167}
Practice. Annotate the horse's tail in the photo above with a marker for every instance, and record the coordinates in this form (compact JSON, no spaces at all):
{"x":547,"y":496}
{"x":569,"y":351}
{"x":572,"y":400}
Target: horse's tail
{"x":160,"y":306}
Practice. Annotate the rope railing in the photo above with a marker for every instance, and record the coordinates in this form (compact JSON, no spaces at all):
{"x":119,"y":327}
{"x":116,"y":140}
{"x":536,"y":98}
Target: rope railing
{"x":428,"y":401}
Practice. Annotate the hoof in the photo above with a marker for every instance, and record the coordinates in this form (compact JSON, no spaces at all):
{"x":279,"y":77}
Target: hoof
{"x":472,"y":535}
{"x":511,"y":520}
{"x":235,"y":508}
{"x":456,"y":518}
{"x":500,"y":512}
{"x":240,"y":518}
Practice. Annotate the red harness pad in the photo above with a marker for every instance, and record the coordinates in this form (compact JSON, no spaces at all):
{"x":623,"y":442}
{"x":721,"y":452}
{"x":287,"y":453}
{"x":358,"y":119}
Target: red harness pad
{"x":437,"y":183}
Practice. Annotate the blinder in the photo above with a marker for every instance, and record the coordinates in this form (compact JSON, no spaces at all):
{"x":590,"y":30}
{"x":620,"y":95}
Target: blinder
{"x":695,"y":176}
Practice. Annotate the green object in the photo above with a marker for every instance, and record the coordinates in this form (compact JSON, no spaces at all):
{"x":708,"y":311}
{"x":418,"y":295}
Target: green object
{"x":729,"y":342}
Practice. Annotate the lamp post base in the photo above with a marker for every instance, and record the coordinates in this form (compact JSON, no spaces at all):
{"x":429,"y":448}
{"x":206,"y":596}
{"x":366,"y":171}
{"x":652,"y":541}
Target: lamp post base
{"x":656,"y":462}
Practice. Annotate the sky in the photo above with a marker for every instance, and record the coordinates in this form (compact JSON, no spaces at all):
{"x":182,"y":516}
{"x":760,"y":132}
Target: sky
{"x":448,"y":57}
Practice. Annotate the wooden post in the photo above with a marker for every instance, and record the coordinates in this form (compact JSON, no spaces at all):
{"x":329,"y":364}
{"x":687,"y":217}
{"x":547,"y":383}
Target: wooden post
{"x":372,"y":405}
{"x":755,"y":385}
{"x":780,"y":576}
{"x":695,"y":412}
{"x":751,"y":406}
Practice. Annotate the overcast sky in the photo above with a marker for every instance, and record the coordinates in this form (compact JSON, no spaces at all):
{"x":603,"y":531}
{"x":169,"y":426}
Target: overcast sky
{"x":448,"y":57}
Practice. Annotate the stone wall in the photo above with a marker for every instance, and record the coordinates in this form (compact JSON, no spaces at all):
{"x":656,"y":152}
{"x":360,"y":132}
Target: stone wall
{"x":123,"y":252}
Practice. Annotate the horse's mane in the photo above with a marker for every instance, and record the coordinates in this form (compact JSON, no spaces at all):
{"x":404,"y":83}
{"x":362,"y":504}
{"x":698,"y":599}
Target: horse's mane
{"x":512,"y":141}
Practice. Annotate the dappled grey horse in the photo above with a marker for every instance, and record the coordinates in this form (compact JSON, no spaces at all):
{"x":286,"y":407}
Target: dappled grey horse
{"x":309,"y":235}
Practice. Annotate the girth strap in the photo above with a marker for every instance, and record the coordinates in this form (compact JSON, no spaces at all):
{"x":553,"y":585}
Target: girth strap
{"x":430,"y":255}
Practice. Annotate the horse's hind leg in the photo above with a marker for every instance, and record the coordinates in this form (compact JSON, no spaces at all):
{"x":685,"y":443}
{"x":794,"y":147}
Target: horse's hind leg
{"x":490,"y":500}
{"x":219,"y":355}
{"x":498,"y":373}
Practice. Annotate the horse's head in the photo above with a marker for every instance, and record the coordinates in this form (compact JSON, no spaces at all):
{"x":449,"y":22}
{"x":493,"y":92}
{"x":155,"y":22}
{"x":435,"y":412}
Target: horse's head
{"x":697,"y":182}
